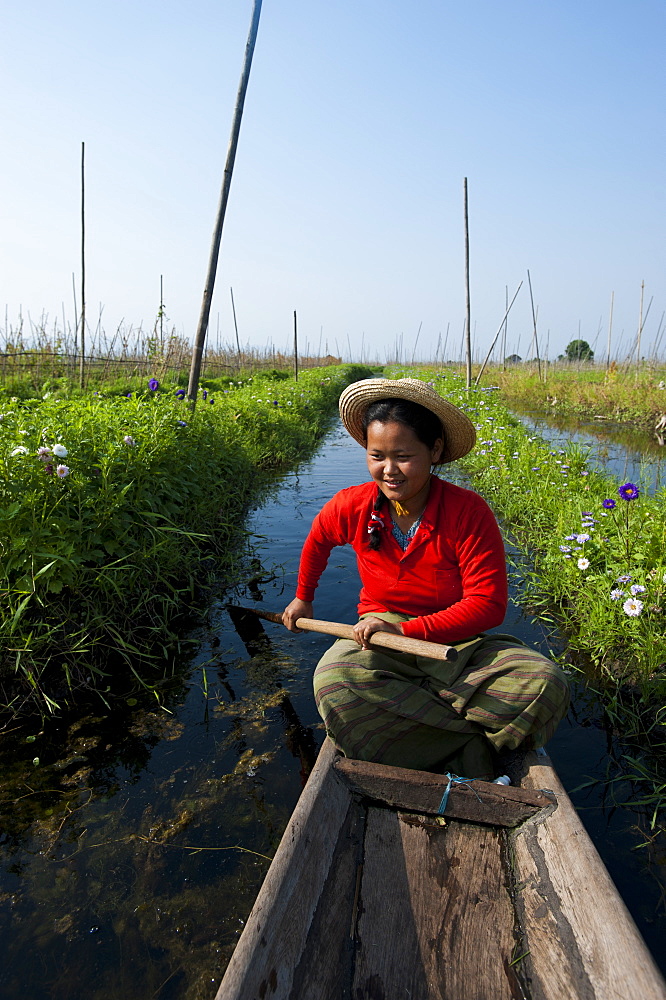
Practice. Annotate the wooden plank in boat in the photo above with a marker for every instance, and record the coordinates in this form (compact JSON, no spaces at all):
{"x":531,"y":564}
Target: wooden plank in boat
{"x":421,"y":792}
{"x":436,"y":920}
{"x":580,"y":941}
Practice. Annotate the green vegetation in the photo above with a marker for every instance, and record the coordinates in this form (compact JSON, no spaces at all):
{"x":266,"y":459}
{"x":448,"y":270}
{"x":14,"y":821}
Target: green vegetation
{"x":119,"y":509}
{"x":588,"y":391}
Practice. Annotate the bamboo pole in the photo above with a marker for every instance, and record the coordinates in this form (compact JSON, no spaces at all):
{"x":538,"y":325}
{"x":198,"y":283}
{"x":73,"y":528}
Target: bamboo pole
{"x":610,"y":327}
{"x":233,"y":309}
{"x":162,"y":312}
{"x":197,"y":350}
{"x":468,"y":331}
{"x":82,"y":359}
{"x":506,"y":326}
{"x":295,"y":348}
{"x":418,"y":334}
{"x":483,"y":366}
{"x":640,"y":329}
{"x":534,"y":320}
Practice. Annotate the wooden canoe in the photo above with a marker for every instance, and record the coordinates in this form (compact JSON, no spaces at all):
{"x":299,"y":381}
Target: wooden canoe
{"x":372,"y":895}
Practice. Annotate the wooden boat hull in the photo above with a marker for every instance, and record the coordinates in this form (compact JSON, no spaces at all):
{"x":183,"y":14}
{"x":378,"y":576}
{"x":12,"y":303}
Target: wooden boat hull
{"x":365,"y":899}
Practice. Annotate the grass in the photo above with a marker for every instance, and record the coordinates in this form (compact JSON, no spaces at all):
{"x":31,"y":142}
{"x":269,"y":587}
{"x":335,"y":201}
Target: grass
{"x":586,"y":390}
{"x":129,"y":516}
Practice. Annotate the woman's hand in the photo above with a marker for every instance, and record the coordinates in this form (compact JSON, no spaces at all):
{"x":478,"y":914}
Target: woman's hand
{"x":297,"y":609}
{"x":364,"y":629}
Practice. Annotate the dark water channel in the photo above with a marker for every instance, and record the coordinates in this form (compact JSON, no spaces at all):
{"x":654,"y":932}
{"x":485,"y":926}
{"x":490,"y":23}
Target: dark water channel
{"x":132,"y":846}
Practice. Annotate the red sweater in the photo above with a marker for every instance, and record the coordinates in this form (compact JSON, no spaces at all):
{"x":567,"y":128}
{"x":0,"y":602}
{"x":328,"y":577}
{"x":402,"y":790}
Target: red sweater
{"x":452,"y":577}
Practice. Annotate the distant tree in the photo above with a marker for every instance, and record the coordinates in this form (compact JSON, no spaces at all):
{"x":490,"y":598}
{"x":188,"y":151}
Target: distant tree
{"x":513,"y":359}
{"x":579,"y":350}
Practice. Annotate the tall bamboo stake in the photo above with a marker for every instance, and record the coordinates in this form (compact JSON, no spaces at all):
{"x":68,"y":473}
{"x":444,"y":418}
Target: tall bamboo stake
{"x":640,"y":328}
{"x":506,"y":325}
{"x":418,"y":333}
{"x":483,"y":366}
{"x":197,"y":350}
{"x":610,"y":327}
{"x":534,"y":320}
{"x":468,"y":330}
{"x":233,"y":309}
{"x":82,"y":359}
{"x":162,"y":311}
{"x":295,"y":348}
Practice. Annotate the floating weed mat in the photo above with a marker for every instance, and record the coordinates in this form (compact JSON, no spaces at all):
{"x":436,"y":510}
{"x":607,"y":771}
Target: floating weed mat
{"x":120,"y":511}
{"x":588,"y":391}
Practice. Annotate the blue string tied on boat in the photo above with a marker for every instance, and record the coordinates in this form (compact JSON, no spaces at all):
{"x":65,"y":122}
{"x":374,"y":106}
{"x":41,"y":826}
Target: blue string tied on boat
{"x":454,"y":779}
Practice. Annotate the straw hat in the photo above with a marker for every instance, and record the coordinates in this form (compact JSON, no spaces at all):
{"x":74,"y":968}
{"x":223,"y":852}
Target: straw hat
{"x":459,"y":432}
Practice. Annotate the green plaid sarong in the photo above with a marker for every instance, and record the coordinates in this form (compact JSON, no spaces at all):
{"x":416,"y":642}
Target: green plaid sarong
{"x":418,"y":712}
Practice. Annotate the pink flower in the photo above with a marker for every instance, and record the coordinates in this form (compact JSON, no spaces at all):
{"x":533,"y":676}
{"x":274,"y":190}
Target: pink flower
{"x":62,"y":471}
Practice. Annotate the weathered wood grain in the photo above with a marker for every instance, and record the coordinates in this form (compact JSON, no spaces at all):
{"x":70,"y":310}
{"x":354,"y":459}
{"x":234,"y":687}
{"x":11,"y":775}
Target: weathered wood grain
{"x":581,"y":939}
{"x":421,"y":792}
{"x":436,"y":920}
{"x":276,"y":933}
{"x":325,"y":969}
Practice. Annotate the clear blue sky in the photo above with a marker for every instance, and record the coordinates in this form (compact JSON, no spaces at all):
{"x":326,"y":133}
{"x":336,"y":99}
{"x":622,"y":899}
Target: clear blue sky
{"x":362,"y":118}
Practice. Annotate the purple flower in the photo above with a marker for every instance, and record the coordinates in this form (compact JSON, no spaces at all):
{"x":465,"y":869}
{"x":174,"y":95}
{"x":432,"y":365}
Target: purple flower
{"x":629,"y":491}
{"x":616,"y":595}
{"x":275,"y":402}
{"x":129,"y":441}
{"x":625,"y":578}
{"x":129,"y":395}
{"x":153,"y":384}
{"x":180,"y":394}
{"x":608,"y":504}
{"x":636,"y":588}
{"x":181,"y":423}
{"x":587,"y":513}
{"x":583,"y":537}
{"x":211,"y":400}
{"x":48,"y":469}
{"x":204,"y":393}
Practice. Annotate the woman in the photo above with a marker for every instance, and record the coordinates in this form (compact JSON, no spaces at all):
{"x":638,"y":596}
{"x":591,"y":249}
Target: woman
{"x":432,"y":566}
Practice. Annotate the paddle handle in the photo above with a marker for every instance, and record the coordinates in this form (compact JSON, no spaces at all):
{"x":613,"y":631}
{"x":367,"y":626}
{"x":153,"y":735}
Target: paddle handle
{"x":401,"y":643}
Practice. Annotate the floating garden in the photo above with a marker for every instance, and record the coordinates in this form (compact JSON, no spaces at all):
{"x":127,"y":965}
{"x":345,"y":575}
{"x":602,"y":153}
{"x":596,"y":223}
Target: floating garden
{"x":119,"y":510}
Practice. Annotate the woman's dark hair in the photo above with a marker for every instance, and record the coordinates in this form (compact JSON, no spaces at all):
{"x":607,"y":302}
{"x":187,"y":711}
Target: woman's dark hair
{"x":425,"y":424}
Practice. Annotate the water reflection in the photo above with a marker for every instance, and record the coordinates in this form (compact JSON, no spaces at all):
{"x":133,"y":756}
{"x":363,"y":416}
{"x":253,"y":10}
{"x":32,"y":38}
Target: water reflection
{"x":620,"y":450}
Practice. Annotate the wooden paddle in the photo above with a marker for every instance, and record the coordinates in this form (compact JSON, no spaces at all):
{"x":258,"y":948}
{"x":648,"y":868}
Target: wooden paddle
{"x":401,"y":643}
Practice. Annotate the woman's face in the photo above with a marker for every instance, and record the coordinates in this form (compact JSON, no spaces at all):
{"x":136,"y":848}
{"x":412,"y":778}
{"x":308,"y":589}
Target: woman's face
{"x":398,"y":462}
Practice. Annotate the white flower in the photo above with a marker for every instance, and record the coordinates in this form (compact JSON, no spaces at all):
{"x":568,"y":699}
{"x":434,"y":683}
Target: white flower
{"x":583,"y":537}
{"x":583,"y":563}
{"x":129,"y":440}
{"x":19,"y":451}
{"x":632,"y":607}
{"x":24,"y":433}
{"x":616,"y":595}
{"x":62,"y":471}
{"x":59,"y":451}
